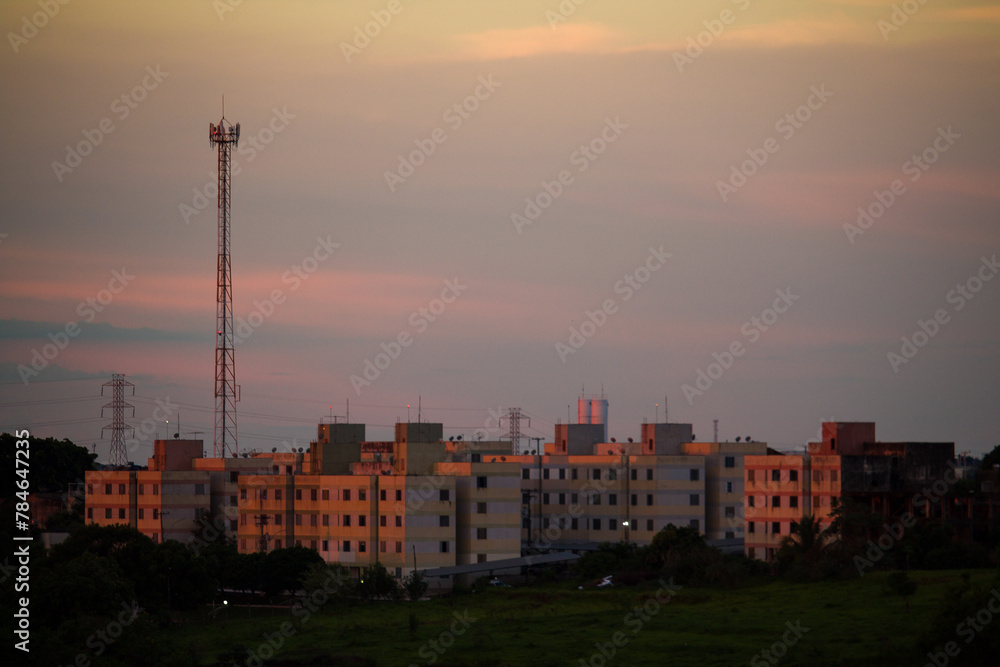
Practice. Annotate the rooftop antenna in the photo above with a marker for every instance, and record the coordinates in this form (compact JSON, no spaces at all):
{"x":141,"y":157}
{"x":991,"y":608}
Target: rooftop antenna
{"x":419,"y":401}
{"x":666,"y":411}
{"x":348,"y":411}
{"x":657,"y":413}
{"x":715,"y":430}
{"x":225,"y":137}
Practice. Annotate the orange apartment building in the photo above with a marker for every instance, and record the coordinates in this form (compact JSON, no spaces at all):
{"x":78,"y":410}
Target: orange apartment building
{"x":848,"y":462}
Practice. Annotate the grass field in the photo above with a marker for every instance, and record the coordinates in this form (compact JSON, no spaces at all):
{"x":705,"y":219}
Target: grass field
{"x":836,"y":623}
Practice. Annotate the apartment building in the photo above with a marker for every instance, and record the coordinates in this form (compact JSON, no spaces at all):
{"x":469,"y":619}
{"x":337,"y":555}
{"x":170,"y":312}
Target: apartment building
{"x":848,"y":462}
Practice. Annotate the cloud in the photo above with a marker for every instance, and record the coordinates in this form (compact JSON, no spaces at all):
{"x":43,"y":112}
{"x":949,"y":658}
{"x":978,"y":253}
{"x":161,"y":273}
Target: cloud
{"x":538,"y":40}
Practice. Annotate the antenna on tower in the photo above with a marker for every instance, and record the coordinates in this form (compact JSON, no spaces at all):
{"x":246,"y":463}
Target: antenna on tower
{"x":225,"y":136}
{"x":715,"y":430}
{"x":118,"y":457}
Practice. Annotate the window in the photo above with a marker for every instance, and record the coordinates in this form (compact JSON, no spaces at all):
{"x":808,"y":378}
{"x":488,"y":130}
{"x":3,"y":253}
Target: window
{"x":775,"y":501}
{"x":545,"y":473}
{"x":695,"y":476}
{"x":480,"y":533}
{"x":263,"y":494}
{"x":107,"y":513}
{"x":381,"y":546}
{"x":312,"y":544}
{"x":298,"y":519}
{"x":793,"y":475}
{"x":730,"y":462}
{"x":833,"y":475}
{"x":156,"y":514}
{"x":232,"y":500}
{"x":298,"y":494}
{"x":346,"y":547}
{"x":444,"y":520}
{"x":326,"y":519}
{"x":635,"y":474}
{"x":142,"y":489}
{"x":729,"y":487}
{"x":382,"y":522}
{"x":326,"y":545}
{"x":775,"y":475}
{"x":243,"y":494}
{"x":156,"y":489}
{"x":362,"y":520}
{"x":730,"y":535}
{"x":695,"y":499}
{"x":730,"y":512}
{"x":121,"y":489}
{"x":313,"y":493}
{"x":399,"y":547}
{"x":793,"y":501}
{"x":775,"y":527}
{"x":649,"y":525}
{"x":612,"y":498}
{"x":694,"y":523}
{"x":545,"y":499}
{"x":634,"y":499}
{"x":277,"y":494}
{"x":277,"y":544}
{"x":574,"y":524}
{"x":595,"y":499}
{"x":243,"y":518}
{"x":562,"y":498}
{"x":326,"y":495}
{"x":399,"y":522}
{"x":90,"y":489}
{"x":649,"y":474}
{"x":107,"y":489}
{"x":362,"y":546}
{"x":381,"y":497}
{"x":277,"y":519}
{"x":573,"y":473}
{"x":750,"y":475}
{"x":612,"y":475}
{"x":481,"y":482}
{"x":525,"y":473}
{"x":480,"y":558}
{"x":399,"y":495}
{"x":313,"y":520}
{"x":612,"y":524}
{"x":90,"y":513}
{"x":444,"y":547}
{"x":480,"y":508}
{"x":362,"y":495}
{"x":347,"y":494}
{"x":525,"y":524}
{"x":817,"y":475}
{"x":596,"y":473}
{"x":574,"y":498}
{"x":649,"y":499}
{"x":750,"y":501}
{"x":562,"y":473}
{"x":347,"y":521}
{"x":232,"y":526}
{"x":751,"y":527}
{"x":597,"y":524}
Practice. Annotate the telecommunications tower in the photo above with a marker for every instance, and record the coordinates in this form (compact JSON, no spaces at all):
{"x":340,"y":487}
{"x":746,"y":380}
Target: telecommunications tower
{"x":225,"y":136}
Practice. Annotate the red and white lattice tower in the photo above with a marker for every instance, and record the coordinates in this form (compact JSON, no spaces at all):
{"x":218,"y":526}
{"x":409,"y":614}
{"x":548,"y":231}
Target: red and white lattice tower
{"x":225,"y":136}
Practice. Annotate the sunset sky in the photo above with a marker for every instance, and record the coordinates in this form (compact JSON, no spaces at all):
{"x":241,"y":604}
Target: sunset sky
{"x":673,"y":168}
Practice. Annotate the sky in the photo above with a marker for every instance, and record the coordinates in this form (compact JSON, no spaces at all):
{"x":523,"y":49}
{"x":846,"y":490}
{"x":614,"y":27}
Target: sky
{"x":766,"y":213}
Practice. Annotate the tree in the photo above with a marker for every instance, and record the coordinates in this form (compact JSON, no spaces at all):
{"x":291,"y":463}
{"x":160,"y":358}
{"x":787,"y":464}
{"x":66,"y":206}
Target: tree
{"x":806,"y":542}
{"x":899,"y":583}
{"x":54,"y":463}
{"x":377,"y":584}
{"x":991,"y":460}
{"x":284,"y":569}
{"x":415,"y":585}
